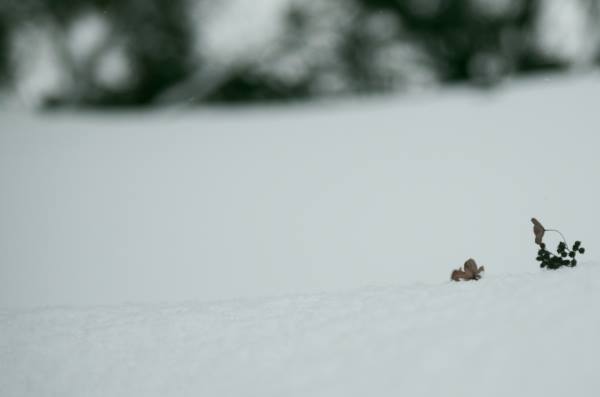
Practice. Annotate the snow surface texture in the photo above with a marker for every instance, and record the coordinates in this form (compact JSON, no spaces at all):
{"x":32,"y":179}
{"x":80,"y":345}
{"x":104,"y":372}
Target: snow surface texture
{"x":229,"y":203}
{"x":532,"y":334}
{"x":220,"y":204}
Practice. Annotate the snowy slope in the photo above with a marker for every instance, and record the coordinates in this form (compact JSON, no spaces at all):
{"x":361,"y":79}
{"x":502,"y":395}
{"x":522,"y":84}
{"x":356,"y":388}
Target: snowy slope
{"x":249,"y":202}
{"x":532,"y":334}
{"x":183,"y":206}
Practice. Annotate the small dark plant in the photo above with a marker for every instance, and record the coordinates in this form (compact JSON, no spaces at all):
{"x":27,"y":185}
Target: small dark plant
{"x":564,"y":255}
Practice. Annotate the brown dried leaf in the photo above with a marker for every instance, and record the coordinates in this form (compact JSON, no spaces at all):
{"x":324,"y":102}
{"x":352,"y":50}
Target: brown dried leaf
{"x":538,"y":231}
{"x":471,"y":272}
{"x":471,"y":266}
{"x":459,"y":274}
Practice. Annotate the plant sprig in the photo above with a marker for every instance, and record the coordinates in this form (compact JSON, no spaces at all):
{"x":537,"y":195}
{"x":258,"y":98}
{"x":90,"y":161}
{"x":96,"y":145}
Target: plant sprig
{"x":564,"y":256}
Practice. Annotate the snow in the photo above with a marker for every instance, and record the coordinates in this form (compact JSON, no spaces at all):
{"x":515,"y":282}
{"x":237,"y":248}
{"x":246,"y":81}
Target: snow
{"x":567,"y":31}
{"x":39,"y":72}
{"x":87,"y":34}
{"x":221,"y":204}
{"x":531,"y":334}
{"x":233,"y":30}
{"x":350,"y":215}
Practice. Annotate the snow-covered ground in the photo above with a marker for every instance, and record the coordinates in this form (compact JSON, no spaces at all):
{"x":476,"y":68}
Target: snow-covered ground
{"x":314,"y":202}
{"x":220,"y":204}
{"x":532,"y":334}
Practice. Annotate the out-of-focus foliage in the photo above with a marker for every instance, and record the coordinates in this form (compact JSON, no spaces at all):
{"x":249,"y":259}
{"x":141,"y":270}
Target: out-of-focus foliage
{"x":107,"y":52}
{"x":139,"y":52}
{"x":4,"y":45}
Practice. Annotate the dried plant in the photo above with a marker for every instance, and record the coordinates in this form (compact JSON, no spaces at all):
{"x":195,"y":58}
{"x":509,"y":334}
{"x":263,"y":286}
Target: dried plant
{"x":470,"y":272}
{"x":563,"y":257}
{"x":538,"y":231}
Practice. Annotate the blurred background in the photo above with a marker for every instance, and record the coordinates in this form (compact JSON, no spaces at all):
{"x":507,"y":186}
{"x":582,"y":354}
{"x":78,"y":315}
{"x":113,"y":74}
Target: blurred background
{"x":134,"y":53}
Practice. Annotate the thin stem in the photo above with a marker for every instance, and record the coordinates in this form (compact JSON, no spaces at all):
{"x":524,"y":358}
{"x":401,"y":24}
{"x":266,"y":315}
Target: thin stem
{"x":563,"y":237}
